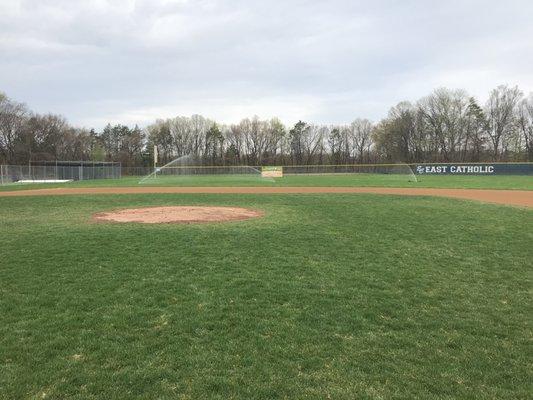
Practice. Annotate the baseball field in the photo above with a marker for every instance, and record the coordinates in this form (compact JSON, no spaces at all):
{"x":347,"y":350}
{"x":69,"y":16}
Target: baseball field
{"x":338,"y":287}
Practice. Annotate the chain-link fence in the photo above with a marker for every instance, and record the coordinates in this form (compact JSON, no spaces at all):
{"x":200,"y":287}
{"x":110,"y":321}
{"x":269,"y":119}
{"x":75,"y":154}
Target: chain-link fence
{"x":507,"y":168}
{"x":137,"y":171}
{"x":59,"y":172}
{"x":347,"y":169}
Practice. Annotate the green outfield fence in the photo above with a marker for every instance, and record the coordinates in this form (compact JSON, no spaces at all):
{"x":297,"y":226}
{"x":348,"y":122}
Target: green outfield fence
{"x":83,"y":170}
{"x":497,"y":168}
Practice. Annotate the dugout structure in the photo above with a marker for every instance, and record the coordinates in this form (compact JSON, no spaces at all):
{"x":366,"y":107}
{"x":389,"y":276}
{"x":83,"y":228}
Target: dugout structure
{"x":50,"y":171}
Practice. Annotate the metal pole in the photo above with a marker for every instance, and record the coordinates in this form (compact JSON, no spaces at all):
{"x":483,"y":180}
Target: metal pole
{"x":155,"y":161}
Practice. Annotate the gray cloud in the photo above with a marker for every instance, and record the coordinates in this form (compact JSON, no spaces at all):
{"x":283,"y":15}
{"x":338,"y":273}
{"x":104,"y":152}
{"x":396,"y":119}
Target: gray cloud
{"x":135,"y":61}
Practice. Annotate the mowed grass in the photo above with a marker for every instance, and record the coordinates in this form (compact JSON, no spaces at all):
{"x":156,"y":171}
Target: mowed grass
{"x":327,"y":296}
{"x":376,"y":180}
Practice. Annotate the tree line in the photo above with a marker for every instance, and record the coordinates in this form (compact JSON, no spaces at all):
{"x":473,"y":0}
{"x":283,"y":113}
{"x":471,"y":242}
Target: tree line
{"x":445,"y":126}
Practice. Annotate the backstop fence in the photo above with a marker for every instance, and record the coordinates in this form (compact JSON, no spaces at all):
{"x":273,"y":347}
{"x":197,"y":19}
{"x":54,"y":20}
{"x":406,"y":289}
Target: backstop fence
{"x":59,"y":171}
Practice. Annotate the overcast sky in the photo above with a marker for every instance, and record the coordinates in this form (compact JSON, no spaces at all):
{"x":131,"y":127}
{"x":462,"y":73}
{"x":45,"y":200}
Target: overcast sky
{"x":321,"y":61}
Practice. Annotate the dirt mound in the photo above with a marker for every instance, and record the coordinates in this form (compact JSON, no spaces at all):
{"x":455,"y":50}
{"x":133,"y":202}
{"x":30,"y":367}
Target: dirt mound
{"x":178,"y":214}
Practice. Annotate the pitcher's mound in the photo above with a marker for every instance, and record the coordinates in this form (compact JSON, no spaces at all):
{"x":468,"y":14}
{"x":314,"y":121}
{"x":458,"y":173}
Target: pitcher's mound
{"x":178,"y":214}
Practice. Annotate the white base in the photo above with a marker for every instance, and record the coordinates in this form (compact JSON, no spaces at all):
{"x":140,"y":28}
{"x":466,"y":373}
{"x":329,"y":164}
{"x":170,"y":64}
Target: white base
{"x":44,"y":181}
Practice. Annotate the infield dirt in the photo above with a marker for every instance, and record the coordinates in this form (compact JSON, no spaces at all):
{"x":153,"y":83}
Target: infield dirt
{"x":523,"y":198}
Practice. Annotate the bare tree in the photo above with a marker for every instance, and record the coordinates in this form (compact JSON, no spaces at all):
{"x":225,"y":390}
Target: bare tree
{"x":199,"y":128}
{"x":275,"y":134}
{"x":525,"y":124}
{"x":12,"y":119}
{"x":447,"y":125}
{"x":361,"y":131}
{"x":182,"y":139}
{"x":446,"y":115}
{"x":256,"y":139}
{"x":394,"y":136}
{"x":501,"y":114}
{"x":312,"y":143}
{"x":334,"y":141}
{"x":236,"y":143}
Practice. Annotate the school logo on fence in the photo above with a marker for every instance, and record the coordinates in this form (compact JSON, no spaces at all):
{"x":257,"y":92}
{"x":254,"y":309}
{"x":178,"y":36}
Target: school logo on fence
{"x":272,"y":172}
{"x":455,"y":169}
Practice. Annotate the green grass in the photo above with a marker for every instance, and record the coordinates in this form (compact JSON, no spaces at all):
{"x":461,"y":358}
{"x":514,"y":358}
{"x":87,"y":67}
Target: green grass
{"x":377,"y":180}
{"x":327,"y":296}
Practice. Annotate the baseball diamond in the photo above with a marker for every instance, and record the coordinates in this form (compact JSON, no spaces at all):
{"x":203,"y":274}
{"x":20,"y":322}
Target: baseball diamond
{"x":209,"y":275}
{"x":266,"y":200}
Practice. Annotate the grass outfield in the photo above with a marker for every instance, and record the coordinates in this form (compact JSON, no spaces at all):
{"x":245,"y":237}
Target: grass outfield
{"x":327,"y":296}
{"x":366,"y":180}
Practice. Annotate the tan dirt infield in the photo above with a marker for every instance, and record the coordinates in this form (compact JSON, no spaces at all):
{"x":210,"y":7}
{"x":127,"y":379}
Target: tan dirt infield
{"x":178,"y":214}
{"x":522,"y":198}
